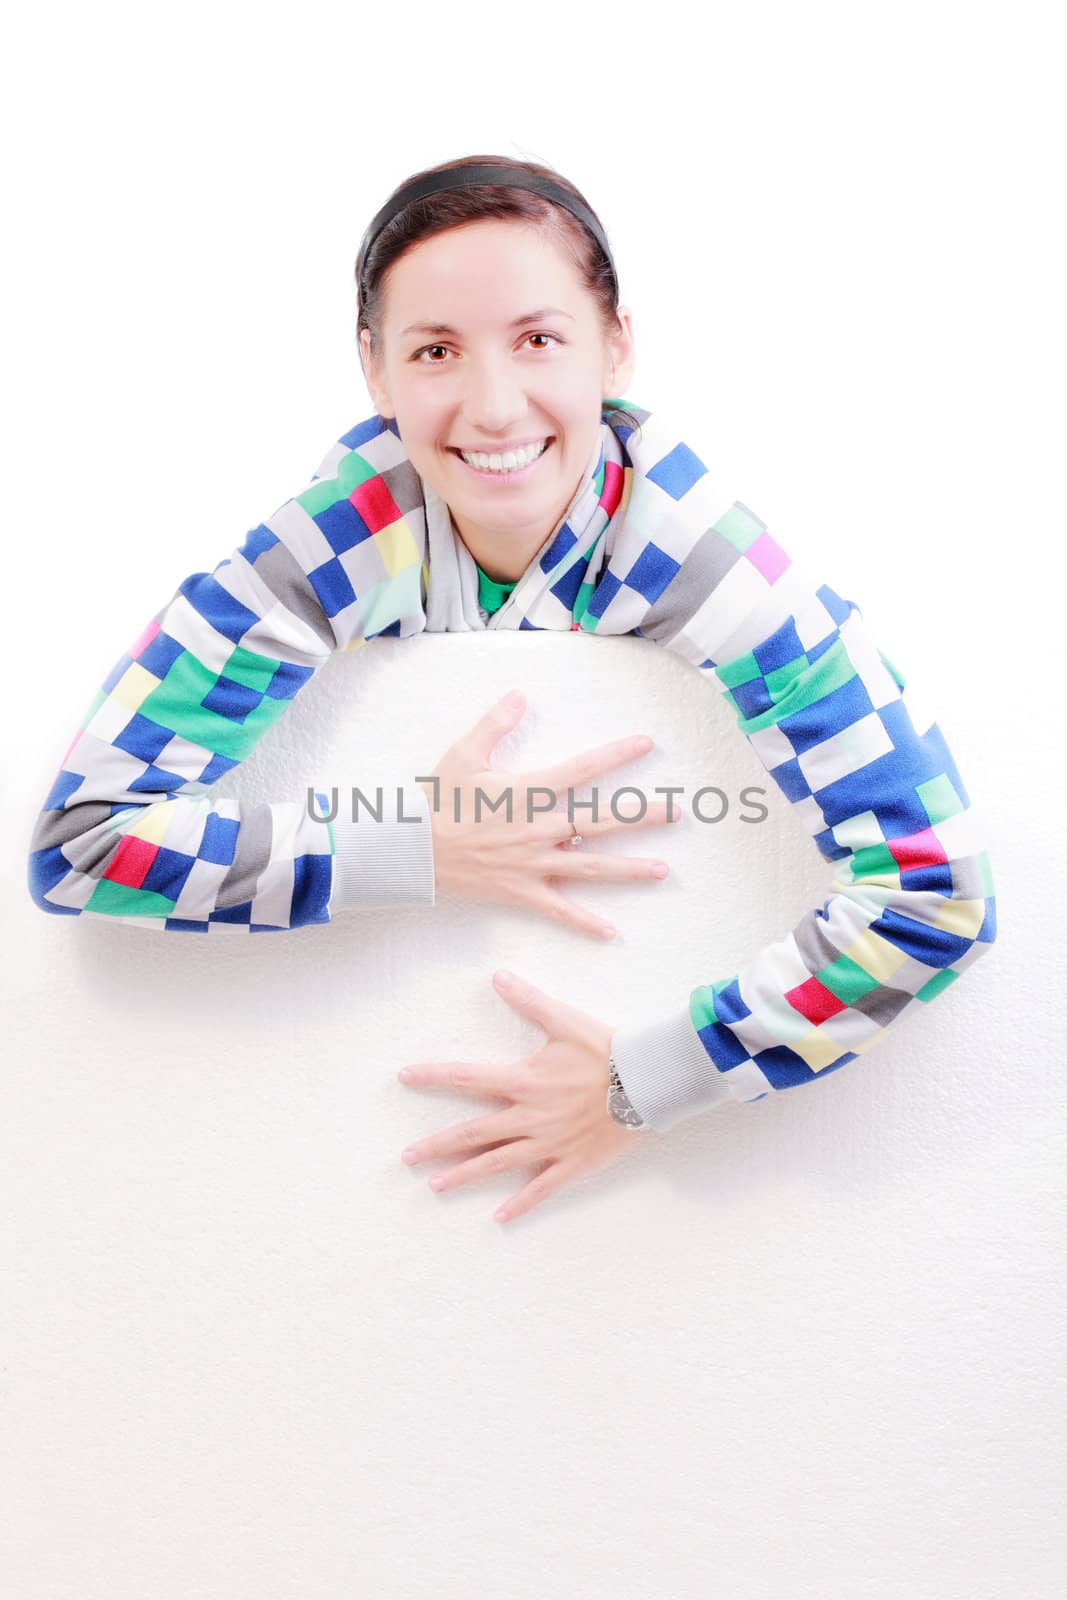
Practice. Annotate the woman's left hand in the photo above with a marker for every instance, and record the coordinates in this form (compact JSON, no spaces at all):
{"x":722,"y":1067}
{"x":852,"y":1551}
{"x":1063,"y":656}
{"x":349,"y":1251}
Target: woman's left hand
{"x":557,"y":1118}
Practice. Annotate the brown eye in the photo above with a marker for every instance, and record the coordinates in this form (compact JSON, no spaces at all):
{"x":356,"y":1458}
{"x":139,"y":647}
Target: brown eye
{"x":427,"y":348}
{"x":418,"y":355}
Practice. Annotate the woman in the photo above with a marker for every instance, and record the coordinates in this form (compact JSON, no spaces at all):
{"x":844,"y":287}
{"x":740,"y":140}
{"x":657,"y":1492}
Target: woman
{"x":499,"y":485}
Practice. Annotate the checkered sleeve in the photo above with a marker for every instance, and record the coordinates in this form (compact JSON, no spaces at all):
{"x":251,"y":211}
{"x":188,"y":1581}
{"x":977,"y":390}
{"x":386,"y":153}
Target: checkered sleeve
{"x":872,"y":780}
{"x":129,"y":831}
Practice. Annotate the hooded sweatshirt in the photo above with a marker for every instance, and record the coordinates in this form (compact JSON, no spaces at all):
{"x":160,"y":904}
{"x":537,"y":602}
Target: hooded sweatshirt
{"x":648,"y":546}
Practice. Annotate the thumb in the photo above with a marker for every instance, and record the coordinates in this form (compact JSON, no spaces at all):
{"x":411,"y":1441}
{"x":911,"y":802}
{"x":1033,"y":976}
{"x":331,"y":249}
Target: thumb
{"x":477,"y":745}
{"x":558,"y":1019}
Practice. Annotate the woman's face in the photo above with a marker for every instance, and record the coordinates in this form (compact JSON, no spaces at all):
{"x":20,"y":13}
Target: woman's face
{"x":490,"y":338}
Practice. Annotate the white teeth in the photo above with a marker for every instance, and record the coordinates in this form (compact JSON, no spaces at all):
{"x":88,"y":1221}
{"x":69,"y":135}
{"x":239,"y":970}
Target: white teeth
{"x":505,"y":463}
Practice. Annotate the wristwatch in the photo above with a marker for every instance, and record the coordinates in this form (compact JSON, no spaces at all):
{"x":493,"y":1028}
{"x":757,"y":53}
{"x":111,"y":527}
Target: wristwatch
{"x":619,"y":1105}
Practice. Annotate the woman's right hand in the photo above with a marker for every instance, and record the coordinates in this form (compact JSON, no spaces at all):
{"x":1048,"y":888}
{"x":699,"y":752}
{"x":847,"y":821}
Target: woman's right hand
{"x":510,"y":859}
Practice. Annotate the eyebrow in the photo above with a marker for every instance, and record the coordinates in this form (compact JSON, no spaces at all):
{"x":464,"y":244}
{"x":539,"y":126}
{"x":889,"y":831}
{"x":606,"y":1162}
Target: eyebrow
{"x":517,"y":322}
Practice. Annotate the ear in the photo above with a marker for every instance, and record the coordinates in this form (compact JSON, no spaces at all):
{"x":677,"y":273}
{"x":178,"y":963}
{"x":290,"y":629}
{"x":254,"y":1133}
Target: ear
{"x":373,"y":376}
{"x":620,"y":357}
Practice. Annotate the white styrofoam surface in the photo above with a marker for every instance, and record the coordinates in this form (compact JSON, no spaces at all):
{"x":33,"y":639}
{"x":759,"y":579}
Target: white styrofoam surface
{"x":231,"y":1309}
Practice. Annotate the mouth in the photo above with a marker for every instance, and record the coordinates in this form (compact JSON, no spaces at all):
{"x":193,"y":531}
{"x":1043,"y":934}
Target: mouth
{"x":516,"y":475}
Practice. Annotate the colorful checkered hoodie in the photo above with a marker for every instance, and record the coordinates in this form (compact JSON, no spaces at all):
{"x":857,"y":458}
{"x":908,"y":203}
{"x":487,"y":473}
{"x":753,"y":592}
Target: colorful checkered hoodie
{"x":648,"y":546}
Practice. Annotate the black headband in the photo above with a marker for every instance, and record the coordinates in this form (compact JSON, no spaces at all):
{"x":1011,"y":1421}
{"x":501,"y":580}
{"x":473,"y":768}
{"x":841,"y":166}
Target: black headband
{"x":473,"y":174}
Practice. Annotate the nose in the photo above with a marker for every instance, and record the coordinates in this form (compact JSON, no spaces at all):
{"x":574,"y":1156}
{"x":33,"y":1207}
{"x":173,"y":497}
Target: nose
{"x":494,"y":402}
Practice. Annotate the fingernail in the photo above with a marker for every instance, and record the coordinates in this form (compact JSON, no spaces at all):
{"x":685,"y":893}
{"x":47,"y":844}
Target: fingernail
{"x":409,"y":1154}
{"x":609,"y":933}
{"x":660,"y":870}
{"x":643,"y":744}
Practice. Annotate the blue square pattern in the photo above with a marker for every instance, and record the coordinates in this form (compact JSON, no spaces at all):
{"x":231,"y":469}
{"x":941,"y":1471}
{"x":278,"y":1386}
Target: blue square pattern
{"x":751,"y":699}
{"x":158,"y":657}
{"x":844,"y":706}
{"x":312,"y":876}
{"x":64,"y":786}
{"x":257,"y":540}
{"x":561,"y":546}
{"x":651,"y":572}
{"x":937,"y":877}
{"x":729,"y":1006}
{"x":723,"y":1046}
{"x":368,"y":429}
{"x":157,"y":780}
{"x":342,"y":526}
{"x":676,"y":472}
{"x":47,"y":868}
{"x":216,"y":605}
{"x":567,"y":585}
{"x":934,"y":947}
{"x":839,"y":609}
{"x":116,"y":673}
{"x":168,"y":873}
{"x":779,"y":648}
{"x":829,"y":847}
{"x":783,"y":1068}
{"x":236,"y":914}
{"x":288,"y":680}
{"x":217,"y":768}
{"x":143,"y":738}
{"x":817,"y":650}
{"x":232,"y":700}
{"x":791,"y":780}
{"x":332,"y":586}
{"x":219,"y":840}
{"x":607,"y":588}
{"x":887,"y":784}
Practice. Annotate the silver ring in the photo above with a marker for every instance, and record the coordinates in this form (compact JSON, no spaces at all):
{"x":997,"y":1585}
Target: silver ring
{"x":575,"y":837}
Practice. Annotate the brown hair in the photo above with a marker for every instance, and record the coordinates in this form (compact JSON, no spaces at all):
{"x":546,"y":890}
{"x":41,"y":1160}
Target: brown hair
{"x":450,"y":208}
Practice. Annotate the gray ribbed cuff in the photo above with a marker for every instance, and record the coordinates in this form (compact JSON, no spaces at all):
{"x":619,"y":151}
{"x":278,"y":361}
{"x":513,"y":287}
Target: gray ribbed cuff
{"x":386,"y":863}
{"x":666,"y":1072}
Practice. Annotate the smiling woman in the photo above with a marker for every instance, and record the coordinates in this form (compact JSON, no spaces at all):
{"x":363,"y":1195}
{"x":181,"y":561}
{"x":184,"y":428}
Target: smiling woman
{"x":500,"y":466}
{"x":500,"y":414}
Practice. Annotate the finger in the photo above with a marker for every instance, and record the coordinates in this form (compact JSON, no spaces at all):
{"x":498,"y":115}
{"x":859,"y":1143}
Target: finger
{"x":567,"y":863}
{"x":556,"y":1017}
{"x":588,"y":764}
{"x":466,"y":1138}
{"x":560,"y":830}
{"x":490,"y":1164}
{"x":559,"y":908}
{"x":467,"y":1077}
{"x":474,"y":748}
{"x":552,"y":1177}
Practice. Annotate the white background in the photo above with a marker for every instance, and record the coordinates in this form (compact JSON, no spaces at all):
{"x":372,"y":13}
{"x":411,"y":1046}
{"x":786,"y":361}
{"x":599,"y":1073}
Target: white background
{"x":810,"y":1347}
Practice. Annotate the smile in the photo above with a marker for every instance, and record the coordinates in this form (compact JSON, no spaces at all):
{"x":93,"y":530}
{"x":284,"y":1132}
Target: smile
{"x":505,"y":474}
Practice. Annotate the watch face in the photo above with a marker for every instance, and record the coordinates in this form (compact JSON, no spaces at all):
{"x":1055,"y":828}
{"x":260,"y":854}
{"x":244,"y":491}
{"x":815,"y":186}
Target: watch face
{"x":618,"y":1102}
{"x":623,"y":1111}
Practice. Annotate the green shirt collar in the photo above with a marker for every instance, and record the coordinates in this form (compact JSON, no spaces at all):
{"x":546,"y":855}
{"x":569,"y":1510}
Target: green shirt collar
{"x":491,"y":595}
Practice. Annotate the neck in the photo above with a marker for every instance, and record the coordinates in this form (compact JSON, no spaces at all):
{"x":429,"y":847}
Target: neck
{"x":506,"y":556}
{"x":493,"y":572}
{"x":488,"y":553}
